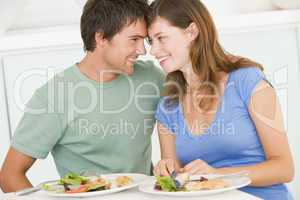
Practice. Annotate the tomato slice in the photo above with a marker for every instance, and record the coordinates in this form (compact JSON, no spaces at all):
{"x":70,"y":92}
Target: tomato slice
{"x":81,"y":189}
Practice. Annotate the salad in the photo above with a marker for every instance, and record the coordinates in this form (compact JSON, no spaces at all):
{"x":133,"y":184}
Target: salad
{"x":182,"y":183}
{"x":74,"y":183}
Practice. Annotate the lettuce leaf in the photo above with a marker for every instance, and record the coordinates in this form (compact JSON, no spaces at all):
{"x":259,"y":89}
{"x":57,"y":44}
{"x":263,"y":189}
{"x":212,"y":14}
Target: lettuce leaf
{"x":166,"y":183}
{"x":73,"y":179}
{"x":47,"y":187}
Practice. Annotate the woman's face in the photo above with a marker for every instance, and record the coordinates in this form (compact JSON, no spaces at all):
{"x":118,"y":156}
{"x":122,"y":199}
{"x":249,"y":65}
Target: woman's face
{"x":169,"y":45}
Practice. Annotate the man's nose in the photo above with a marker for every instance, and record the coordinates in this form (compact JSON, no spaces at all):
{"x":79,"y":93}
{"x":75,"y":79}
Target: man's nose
{"x":141,"y":50}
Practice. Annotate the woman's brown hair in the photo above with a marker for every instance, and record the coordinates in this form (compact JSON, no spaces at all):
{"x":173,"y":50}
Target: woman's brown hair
{"x":206,"y":54}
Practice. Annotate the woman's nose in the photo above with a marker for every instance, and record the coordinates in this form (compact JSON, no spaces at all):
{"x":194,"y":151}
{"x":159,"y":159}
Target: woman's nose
{"x":154,"y":50}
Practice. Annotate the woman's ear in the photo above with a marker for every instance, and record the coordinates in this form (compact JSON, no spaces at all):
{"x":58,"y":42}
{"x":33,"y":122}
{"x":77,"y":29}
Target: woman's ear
{"x":192,"y":31}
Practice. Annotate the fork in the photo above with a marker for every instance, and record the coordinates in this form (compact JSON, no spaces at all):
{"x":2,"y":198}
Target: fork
{"x":33,"y":189}
{"x":174,"y":176}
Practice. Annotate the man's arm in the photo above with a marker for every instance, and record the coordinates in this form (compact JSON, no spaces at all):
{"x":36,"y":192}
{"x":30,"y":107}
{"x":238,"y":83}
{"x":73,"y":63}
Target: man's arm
{"x":13,"y":172}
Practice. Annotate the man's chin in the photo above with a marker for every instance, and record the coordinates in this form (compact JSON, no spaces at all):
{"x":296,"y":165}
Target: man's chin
{"x":129,"y":70}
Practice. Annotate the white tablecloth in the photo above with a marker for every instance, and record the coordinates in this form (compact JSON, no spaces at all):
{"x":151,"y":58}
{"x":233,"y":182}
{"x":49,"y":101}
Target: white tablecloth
{"x":134,"y":194}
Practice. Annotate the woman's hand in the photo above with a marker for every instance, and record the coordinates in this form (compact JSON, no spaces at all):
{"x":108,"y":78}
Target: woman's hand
{"x":198,"y":167}
{"x":164,"y":167}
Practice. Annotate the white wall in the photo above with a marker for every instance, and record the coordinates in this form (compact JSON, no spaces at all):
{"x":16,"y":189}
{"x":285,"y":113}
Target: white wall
{"x":4,"y":133}
{"x":37,"y":13}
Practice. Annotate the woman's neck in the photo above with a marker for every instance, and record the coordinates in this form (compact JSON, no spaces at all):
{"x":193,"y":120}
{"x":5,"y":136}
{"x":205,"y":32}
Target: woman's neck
{"x":192,"y":79}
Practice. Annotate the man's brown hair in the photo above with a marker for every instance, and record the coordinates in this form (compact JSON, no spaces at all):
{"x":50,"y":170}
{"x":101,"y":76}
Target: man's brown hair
{"x":109,"y":17}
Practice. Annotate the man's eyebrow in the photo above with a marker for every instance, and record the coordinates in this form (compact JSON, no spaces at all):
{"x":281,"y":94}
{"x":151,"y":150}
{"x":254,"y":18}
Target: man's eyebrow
{"x":138,"y":36}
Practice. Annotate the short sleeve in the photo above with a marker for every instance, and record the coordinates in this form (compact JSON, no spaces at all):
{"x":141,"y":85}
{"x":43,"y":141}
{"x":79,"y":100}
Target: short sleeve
{"x":166,"y":115}
{"x":39,"y":129}
{"x":246,"y":81}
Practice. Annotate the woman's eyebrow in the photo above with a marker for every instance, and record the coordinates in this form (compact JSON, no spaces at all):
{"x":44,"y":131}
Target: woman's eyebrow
{"x":157,"y":34}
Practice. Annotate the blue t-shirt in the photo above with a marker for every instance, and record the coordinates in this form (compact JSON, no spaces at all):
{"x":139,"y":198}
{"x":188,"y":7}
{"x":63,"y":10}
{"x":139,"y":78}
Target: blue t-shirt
{"x":231,"y":140}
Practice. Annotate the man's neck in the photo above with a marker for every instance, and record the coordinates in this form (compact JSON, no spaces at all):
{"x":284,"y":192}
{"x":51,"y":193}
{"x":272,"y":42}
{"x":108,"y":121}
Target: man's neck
{"x":95,"y":69}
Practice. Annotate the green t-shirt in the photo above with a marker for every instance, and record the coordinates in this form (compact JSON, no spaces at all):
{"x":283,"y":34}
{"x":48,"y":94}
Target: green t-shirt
{"x":86,"y":125}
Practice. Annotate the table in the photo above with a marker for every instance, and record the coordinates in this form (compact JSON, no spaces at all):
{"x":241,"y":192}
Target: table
{"x":134,"y":194}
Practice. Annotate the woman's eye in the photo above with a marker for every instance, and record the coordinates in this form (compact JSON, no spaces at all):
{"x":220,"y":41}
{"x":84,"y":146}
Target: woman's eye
{"x":161,"y":38}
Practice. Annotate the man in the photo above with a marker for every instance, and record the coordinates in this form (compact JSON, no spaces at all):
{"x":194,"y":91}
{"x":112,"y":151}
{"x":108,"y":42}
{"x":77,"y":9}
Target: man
{"x":98,"y":114}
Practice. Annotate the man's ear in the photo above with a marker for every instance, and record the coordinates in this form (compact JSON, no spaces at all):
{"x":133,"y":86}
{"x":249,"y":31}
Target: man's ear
{"x":100,"y":40}
{"x":192,"y":31}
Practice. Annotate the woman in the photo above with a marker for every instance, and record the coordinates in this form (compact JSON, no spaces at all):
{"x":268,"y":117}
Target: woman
{"x":219,"y":114}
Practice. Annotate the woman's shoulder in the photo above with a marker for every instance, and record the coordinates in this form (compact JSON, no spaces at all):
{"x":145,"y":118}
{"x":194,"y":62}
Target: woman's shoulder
{"x":168,"y":105}
{"x":245,"y":80}
{"x":246,"y":72}
{"x":247,"y":75}
{"x":167,"y":112}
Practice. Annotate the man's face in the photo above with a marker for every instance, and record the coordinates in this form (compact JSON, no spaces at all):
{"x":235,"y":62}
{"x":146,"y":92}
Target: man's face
{"x":121,"y":52}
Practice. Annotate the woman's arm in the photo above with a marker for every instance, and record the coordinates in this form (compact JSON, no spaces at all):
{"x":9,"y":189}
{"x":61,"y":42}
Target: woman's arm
{"x":169,"y":161}
{"x":266,"y":114}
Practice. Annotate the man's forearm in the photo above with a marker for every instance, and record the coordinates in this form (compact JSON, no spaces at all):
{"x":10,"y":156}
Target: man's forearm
{"x":14,"y":182}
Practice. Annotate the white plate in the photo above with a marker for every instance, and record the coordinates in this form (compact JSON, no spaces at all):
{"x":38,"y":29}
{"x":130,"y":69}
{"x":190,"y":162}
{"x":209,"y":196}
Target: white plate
{"x":137,"y":179}
{"x":235,"y":183}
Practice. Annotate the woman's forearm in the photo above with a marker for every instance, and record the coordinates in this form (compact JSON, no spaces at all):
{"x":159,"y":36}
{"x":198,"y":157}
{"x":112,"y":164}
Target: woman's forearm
{"x":268,"y":173}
